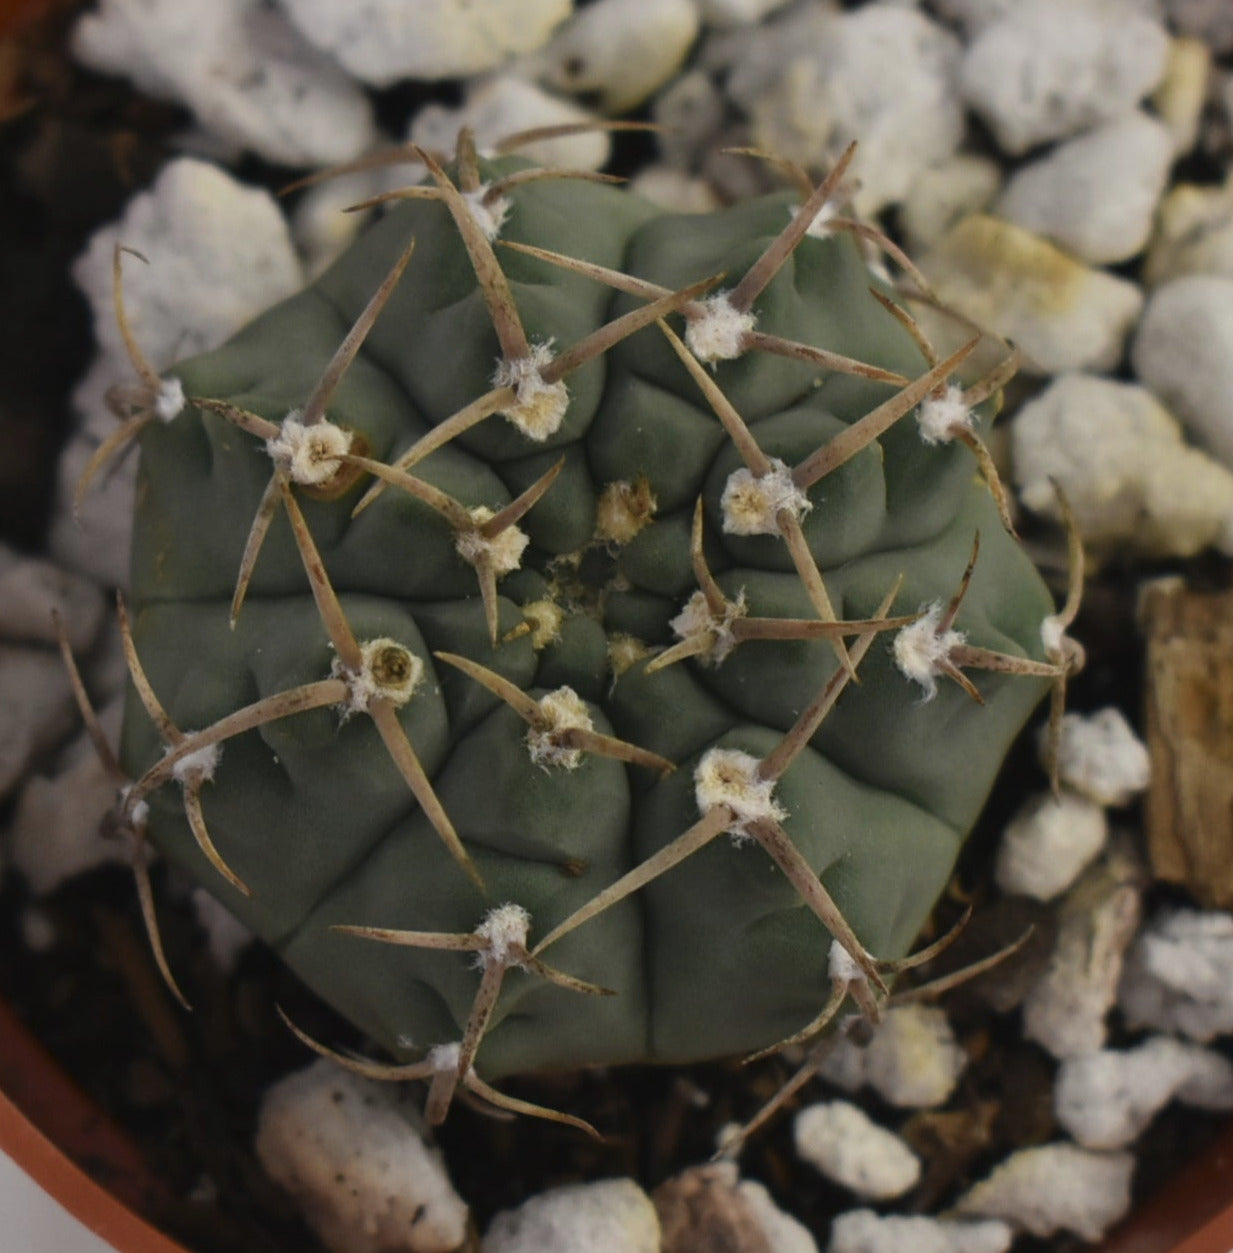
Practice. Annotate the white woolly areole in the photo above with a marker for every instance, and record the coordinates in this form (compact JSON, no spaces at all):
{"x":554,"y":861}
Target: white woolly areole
{"x":505,"y":927}
{"x":717,"y":333}
{"x":751,"y":505}
{"x":387,"y":668}
{"x":540,"y":408}
{"x":139,"y":813}
{"x":563,"y":710}
{"x":501,"y":554}
{"x":941,"y":418}
{"x":489,"y":217}
{"x":308,"y":454}
{"x":443,"y":1058}
{"x":920,"y":648}
{"x":728,"y":777}
{"x":820,"y":226}
{"x":200,"y":764}
{"x":696,"y":619}
{"x":1052,"y":634}
{"x":169,"y":400}
{"x":841,"y":966}
{"x":544,"y":617}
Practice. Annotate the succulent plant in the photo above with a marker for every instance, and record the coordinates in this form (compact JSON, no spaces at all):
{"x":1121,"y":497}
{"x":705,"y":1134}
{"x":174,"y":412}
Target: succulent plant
{"x":560,"y":580}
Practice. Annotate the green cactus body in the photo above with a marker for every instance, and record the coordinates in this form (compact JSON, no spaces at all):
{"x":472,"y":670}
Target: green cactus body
{"x":718,"y":955}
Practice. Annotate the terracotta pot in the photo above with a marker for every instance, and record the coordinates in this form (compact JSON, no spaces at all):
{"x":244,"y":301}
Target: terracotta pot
{"x":71,"y":1149}
{"x":52,"y":1130}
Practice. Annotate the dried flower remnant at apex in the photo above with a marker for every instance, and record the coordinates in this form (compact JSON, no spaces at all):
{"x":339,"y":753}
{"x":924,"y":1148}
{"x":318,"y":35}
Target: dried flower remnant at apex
{"x":437,"y":661}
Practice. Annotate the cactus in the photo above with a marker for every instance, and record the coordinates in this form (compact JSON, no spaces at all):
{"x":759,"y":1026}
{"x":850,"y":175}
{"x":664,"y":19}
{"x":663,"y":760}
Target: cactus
{"x":542,"y":625}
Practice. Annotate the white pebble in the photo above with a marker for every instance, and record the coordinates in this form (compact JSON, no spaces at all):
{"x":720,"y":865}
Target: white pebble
{"x":218,"y":253}
{"x":613,"y":1216}
{"x":355,"y":1160}
{"x":1130,"y":477}
{"x":618,"y":51}
{"x":31,"y":589}
{"x":1194,"y":234}
{"x":251,"y":80}
{"x":1055,"y":1187}
{"x":843,"y":1143}
{"x":1184,"y":353}
{"x":1106,"y":1099}
{"x":504,"y":105}
{"x":1181,"y":95}
{"x":783,"y":1234}
{"x":863,"y":1231}
{"x":883,"y":75}
{"x":737,"y":12}
{"x":913,"y":1060}
{"x":37,"y":709}
{"x":383,"y":41}
{"x":57,"y":829}
{"x":1049,"y":843}
{"x":1050,"y":68}
{"x":944,"y":194}
{"x":1101,"y":757}
{"x":1095,"y":195}
{"x":674,"y":191}
{"x":1065,"y":1012}
{"x":1062,"y":314}
{"x":691,"y":111}
{"x":1179,"y":975}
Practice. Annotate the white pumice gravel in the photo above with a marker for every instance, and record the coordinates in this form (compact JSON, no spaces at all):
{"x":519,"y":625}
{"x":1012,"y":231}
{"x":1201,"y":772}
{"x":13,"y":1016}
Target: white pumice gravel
{"x":913,"y":1060}
{"x":843,"y":1143}
{"x":500,"y":106}
{"x":1184,"y":352}
{"x":1181,"y":95}
{"x":1105,"y":1100}
{"x":724,"y":13}
{"x":217,"y":253}
{"x":1194,"y":234}
{"x":1055,"y":1187}
{"x":353,"y":1157}
{"x":1066,"y":1011}
{"x":57,"y":827}
{"x":881,"y":74}
{"x":864,"y":1231}
{"x":1049,"y":843}
{"x":251,"y":80}
{"x":1050,"y":68}
{"x":692,"y":112}
{"x":1179,"y":975}
{"x":1132,"y":480}
{"x":385,"y":41}
{"x":36,"y":709}
{"x":618,"y":52}
{"x":612,"y":1216}
{"x":32,"y":588}
{"x":1095,"y":195}
{"x":1101,"y":757}
{"x":675,"y":190}
{"x":1062,"y":314}
{"x":944,"y":194}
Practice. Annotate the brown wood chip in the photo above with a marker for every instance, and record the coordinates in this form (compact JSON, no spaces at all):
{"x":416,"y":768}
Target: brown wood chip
{"x":1189,"y":810}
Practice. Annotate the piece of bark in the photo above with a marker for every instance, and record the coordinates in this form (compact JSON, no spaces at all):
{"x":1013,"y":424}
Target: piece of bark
{"x":1189,"y":806}
{"x":703,"y":1211}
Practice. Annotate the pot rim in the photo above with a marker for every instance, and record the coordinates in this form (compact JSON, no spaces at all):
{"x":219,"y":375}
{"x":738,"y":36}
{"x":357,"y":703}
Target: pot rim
{"x":43,"y":1114}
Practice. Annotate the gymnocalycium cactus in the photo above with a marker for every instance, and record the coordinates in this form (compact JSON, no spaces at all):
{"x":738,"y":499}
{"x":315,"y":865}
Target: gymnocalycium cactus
{"x":550,"y":582}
